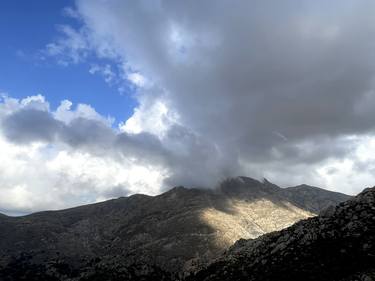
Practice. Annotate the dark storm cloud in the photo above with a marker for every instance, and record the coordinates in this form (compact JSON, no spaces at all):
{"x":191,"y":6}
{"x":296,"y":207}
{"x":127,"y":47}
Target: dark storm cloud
{"x":30,"y":125}
{"x":251,"y":68}
{"x":289,"y":70}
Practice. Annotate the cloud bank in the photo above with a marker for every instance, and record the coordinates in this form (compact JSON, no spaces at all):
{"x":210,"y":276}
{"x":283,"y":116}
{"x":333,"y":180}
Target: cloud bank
{"x":65,"y":157}
{"x":281,"y":90}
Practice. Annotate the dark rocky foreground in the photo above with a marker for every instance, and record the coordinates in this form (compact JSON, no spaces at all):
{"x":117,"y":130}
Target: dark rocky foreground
{"x":151,"y":238}
{"x":337,"y":245}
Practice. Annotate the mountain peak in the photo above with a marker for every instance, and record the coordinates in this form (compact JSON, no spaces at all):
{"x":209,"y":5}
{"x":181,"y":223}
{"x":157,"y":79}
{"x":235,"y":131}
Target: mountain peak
{"x":179,"y":188}
{"x":176,"y":191}
{"x":246,"y":186}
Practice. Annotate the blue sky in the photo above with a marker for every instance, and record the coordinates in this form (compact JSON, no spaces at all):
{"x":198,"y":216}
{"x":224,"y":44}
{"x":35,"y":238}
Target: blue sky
{"x":26,"y":27}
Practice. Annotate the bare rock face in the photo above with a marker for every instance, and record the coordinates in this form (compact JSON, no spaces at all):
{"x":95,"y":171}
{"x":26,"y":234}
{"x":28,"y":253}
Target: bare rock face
{"x":337,"y":245}
{"x":150,"y":238}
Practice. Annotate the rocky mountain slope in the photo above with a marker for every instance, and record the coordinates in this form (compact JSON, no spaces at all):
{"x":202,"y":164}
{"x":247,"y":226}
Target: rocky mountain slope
{"x":150,"y":237}
{"x":337,"y":245}
{"x":313,"y":199}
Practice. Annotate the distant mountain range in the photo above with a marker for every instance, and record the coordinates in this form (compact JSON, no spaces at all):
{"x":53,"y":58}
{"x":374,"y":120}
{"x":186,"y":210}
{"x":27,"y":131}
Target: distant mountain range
{"x":164,"y":237}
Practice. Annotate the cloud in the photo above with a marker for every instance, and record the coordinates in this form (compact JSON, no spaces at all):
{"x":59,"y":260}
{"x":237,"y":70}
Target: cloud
{"x":62,"y":158}
{"x":94,"y":135}
{"x":30,"y":125}
{"x":259,"y":88}
{"x":73,"y":48}
{"x":268,"y":83}
{"x":68,"y":156}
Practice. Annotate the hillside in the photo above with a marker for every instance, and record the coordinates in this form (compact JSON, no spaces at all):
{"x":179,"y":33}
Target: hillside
{"x":337,"y":245}
{"x":178,"y":231}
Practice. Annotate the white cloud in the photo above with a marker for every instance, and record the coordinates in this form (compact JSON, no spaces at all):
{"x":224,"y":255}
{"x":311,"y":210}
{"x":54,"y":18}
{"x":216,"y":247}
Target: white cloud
{"x":102,"y":174}
{"x":8,"y":104}
{"x":23,"y":180}
{"x":50,"y":175}
{"x":152,"y":117}
{"x":72,"y":47}
{"x":36,"y":102}
{"x":137,"y":79}
{"x":105,"y":71}
{"x":66,"y":114}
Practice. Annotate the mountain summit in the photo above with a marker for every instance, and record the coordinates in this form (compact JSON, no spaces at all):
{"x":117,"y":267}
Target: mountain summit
{"x":158,"y":236}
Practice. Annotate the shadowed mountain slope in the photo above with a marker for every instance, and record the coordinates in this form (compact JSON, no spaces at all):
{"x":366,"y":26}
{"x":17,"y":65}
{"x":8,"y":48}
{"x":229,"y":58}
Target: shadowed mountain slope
{"x":177,"y":231}
{"x":311,"y":198}
{"x":337,"y":245}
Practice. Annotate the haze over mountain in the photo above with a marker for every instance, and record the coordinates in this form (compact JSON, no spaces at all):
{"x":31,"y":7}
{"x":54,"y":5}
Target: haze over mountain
{"x":173,"y":233}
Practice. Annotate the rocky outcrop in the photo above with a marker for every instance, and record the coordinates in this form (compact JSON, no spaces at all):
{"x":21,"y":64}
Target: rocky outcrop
{"x":337,"y":245}
{"x":174,"y":233}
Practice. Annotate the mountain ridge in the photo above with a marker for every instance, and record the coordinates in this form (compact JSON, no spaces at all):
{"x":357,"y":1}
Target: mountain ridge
{"x":219,"y":188}
{"x":177,"y":231}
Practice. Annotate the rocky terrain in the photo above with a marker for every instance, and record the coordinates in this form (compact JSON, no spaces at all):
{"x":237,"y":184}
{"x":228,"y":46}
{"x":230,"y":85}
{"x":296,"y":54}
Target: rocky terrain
{"x":150,"y":238}
{"x":310,"y":198}
{"x":337,"y":245}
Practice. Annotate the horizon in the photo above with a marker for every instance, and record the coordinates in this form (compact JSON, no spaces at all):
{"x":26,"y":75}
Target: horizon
{"x":263,"y":181}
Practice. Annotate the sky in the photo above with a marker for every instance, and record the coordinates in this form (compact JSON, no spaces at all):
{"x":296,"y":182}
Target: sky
{"x":26,"y":28}
{"x":101,"y":99}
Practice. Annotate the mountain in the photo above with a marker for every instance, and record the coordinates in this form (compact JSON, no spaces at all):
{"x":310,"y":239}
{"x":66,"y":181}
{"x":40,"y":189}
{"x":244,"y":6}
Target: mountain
{"x":153,"y":237}
{"x":311,"y":198}
{"x":337,"y":245}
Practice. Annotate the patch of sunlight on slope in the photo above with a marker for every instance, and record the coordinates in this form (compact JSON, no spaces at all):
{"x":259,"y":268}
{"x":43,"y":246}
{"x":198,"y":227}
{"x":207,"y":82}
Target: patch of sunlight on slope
{"x":249,"y":220}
